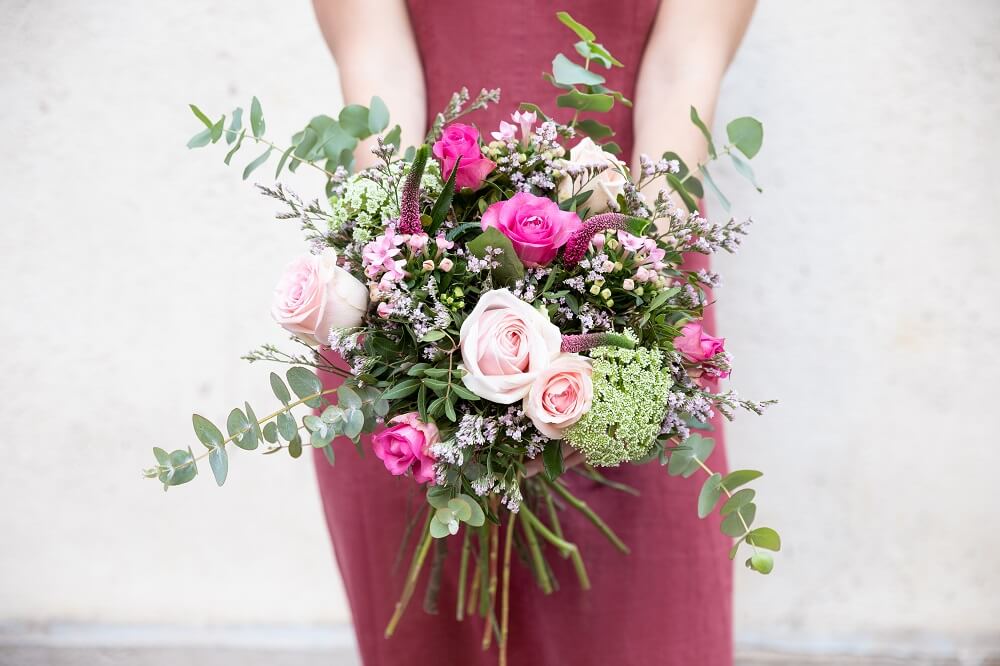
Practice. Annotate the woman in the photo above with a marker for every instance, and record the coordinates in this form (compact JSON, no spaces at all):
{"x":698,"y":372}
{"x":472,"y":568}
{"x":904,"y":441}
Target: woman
{"x":669,"y":602}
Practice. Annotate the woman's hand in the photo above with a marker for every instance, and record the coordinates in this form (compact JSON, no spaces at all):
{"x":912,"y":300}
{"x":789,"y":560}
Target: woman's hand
{"x":571,"y":458}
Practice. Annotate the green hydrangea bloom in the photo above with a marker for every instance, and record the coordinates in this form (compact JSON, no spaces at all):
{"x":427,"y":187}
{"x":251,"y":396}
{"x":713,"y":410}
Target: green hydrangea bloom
{"x":630,"y":398}
{"x":365,"y":206}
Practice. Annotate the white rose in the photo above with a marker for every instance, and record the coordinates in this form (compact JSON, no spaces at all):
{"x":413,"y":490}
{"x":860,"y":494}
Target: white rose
{"x":316,"y":295}
{"x":606,"y":186}
{"x":505,"y":344}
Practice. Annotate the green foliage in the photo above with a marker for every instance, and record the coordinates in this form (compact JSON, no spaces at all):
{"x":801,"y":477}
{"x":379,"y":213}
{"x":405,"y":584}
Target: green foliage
{"x":552,"y":459}
{"x":582,"y":101}
{"x":378,"y":116}
{"x":279,"y":389}
{"x":696,"y":119}
{"x":305,"y":384}
{"x":709,"y":495}
{"x":746,"y":134}
{"x":582,"y":31}
{"x":451,"y":510}
{"x":567,"y":72}
{"x":509,"y":268}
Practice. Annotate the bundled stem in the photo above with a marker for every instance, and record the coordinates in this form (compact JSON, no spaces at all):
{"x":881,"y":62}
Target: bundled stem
{"x":582,"y":507}
{"x":463,"y":570}
{"x":411,"y":577}
{"x":505,"y":593}
{"x":566,"y":547}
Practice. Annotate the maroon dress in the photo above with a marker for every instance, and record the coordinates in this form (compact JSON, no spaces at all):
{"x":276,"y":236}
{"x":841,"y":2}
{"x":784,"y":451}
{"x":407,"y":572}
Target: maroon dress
{"x":668,"y":603}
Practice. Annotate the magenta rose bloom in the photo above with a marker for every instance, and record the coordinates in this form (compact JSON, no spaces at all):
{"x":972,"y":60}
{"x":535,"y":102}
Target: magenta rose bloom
{"x":457,"y":141}
{"x":406,"y":444}
{"x":698,"y":346}
{"x":535,"y":226}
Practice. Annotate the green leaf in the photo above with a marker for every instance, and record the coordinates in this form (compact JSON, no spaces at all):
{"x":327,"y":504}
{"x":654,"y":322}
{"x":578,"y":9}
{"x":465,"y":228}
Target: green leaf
{"x":693,"y":185}
{"x":715,"y":188}
{"x":253,"y":436}
{"x":443,"y":204}
{"x":378,"y":115}
{"x":597,"y":52}
{"x":394,"y":136}
{"x":594,"y":129}
{"x":305,"y":383}
{"x":765,"y":537}
{"x":678,"y":187}
{"x":279,"y":389}
{"x":295,"y":447}
{"x":702,"y":447}
{"x":402,"y":389}
{"x":580,"y":101}
{"x":435,"y":385}
{"x":582,"y":31}
{"x":354,"y":120}
{"x":219,"y":461}
{"x":477,"y":517}
{"x":681,"y":462}
{"x":234,"y":149}
{"x":744,"y":170}
{"x":761,"y":563}
{"x":355,"y":423}
{"x":270,"y":432}
{"x":281,"y":162}
{"x":438,"y":529}
{"x":733,"y":526}
{"x":534,"y":108}
{"x":250,"y":168}
{"x":461,"y":509}
{"x":611,"y":147}
{"x":509,"y":269}
{"x":234,"y":126}
{"x":178,"y":469}
{"x":305,"y":145}
{"x":240,"y":431}
{"x":202,"y":138}
{"x":256,"y":118}
{"x":552,"y":460}
{"x":740,"y":477}
{"x":347,"y":398}
{"x":162,"y":457}
{"x":709,"y":495}
{"x":438,"y":497}
{"x":696,"y":119}
{"x":218,"y":128}
{"x":200,"y":115}
{"x":739,"y":498}
{"x":669,"y":156}
{"x":567,"y":72}
{"x":206,"y":431}
{"x":747,"y":134}
{"x":286,"y":426}
{"x":464,"y":393}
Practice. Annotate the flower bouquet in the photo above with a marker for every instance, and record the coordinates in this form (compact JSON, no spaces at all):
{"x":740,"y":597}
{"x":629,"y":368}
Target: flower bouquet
{"x":499,"y":310}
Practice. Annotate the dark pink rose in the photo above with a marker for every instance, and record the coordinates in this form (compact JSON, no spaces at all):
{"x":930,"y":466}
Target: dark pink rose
{"x":457,"y":141}
{"x":406,"y":444}
{"x":535,"y":226}
{"x":698,"y":346}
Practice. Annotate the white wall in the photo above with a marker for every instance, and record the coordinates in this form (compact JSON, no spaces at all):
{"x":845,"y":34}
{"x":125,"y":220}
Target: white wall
{"x":134,"y":273}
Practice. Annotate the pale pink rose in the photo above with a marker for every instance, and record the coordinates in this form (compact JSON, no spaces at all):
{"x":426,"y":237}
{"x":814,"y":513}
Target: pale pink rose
{"x":446,"y":264}
{"x":697,"y":345}
{"x":406,"y":444}
{"x":560,"y":395}
{"x":462,"y":141}
{"x":316,"y":295}
{"x":505,"y":344}
{"x":507,"y":132}
{"x":605,"y":187}
{"x":535,"y":226}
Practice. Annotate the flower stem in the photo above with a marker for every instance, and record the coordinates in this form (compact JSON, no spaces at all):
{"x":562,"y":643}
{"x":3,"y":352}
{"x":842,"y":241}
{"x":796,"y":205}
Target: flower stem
{"x":505,"y":592}
{"x":582,"y":507}
{"x":463,"y":571}
{"x":566,"y":547}
{"x":492,"y":589}
{"x":419,"y":555}
{"x":541,"y":572}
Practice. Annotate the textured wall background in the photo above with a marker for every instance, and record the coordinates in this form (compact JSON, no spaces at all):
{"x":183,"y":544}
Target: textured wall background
{"x":134,"y":273}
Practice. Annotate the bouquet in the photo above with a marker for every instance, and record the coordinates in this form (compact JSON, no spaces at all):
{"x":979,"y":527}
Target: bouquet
{"x":497,"y":305}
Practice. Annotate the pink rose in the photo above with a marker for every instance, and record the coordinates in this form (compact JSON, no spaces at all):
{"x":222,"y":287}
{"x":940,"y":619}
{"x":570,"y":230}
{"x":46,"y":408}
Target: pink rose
{"x":316,"y":295}
{"x":697,"y":345}
{"x":535,"y":226}
{"x":560,"y":395}
{"x":505,"y":344}
{"x":406,"y":444}
{"x":457,"y":141}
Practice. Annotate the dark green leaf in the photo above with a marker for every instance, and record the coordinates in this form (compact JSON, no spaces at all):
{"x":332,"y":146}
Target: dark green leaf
{"x":580,"y":101}
{"x":582,"y":31}
{"x":443,"y":203}
{"x":733,"y":525}
{"x":464,"y":393}
{"x":378,"y":115}
{"x":765,"y":537}
{"x":402,"y":389}
{"x":295,"y":447}
{"x":740,"y":477}
{"x":696,"y":119}
{"x":611,"y":147}
{"x":250,"y":168}
{"x":354,"y":120}
{"x":509,"y":269}
{"x":567,"y":72}
{"x":219,"y":461}
{"x":552,"y":460}
{"x":747,"y":134}
{"x":534,"y":108}
{"x":256,"y":118}
{"x":678,"y":187}
{"x":709,"y":495}
{"x":305,"y":383}
{"x":279,"y":389}
{"x":693,"y":185}
{"x":739,"y":498}
{"x":594,"y":129}
{"x":206,"y":431}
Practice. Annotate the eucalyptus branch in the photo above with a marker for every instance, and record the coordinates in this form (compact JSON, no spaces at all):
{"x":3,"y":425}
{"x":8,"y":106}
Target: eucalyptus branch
{"x":281,"y":150}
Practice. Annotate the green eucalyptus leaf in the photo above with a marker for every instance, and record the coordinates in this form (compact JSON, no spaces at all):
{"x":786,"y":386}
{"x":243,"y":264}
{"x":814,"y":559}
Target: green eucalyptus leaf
{"x":764,"y":537}
{"x":744,"y":170}
{"x":438,"y":497}
{"x":234,"y":126}
{"x":378,"y":115}
{"x":460,"y":508}
{"x":355,"y":422}
{"x":747,"y":134}
{"x":305,"y":383}
{"x":696,"y":119}
{"x":207,"y":433}
{"x":347,"y":398}
{"x":594,"y":129}
{"x":581,"y":101}
{"x":438,"y":529}
{"x":287,"y":427}
{"x":200,"y":115}
{"x":218,"y":459}
{"x":179,"y":468}
{"x":693,"y":185}
{"x":738,"y":499}
{"x":295,"y":447}
{"x":162,"y":457}
{"x":257,"y":163}
{"x":394,"y":136}
{"x":598,"y":52}
{"x":733,"y":524}
{"x":701,"y":446}
{"x":671,"y":156}
{"x":678,"y":187}
{"x":534,"y":108}
{"x":582,"y":31}
{"x":477,"y":517}
{"x":761,"y":563}
{"x":253,"y":436}
{"x":257,"y":125}
{"x":202,"y":138}
{"x":270,"y":432}
{"x":279,"y":389}
{"x":281,"y":162}
{"x":235,"y":149}
{"x":709,"y":495}
{"x":354,"y":120}
{"x":567,"y":72}
{"x":715,"y":188}
{"x":740,"y":477}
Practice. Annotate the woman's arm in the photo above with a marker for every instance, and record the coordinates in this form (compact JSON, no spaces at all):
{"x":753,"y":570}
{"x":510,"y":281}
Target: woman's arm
{"x":689,"y":50}
{"x":373,"y":45}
